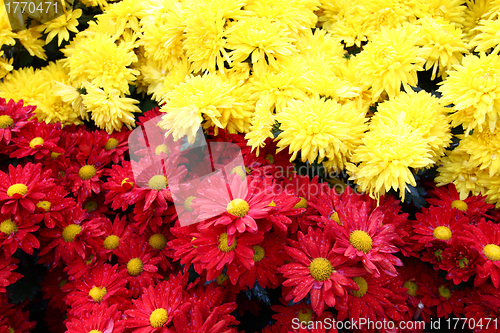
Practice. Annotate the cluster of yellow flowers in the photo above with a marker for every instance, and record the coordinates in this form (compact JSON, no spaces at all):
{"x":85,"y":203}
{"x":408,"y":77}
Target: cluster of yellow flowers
{"x":246,"y":65}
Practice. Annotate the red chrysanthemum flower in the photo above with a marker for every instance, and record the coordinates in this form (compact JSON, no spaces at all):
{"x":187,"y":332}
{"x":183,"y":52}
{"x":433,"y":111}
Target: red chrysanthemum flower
{"x":301,"y":315}
{"x":7,"y":276}
{"x":437,"y":224}
{"x":362,"y":237}
{"x":94,"y":206}
{"x":53,"y":204}
{"x":69,"y":239}
{"x":155,"y":309}
{"x":432,"y":254}
{"x":38,"y":140}
{"x":13,"y":117}
{"x":23,"y":187}
{"x":114,"y":235}
{"x":377,"y":299}
{"x":268,"y":257}
{"x":84,"y":175}
{"x":119,"y":185}
{"x":79,"y":267}
{"x":485,"y":237}
{"x":305,"y":189}
{"x":116,"y":144}
{"x":52,"y":284}
{"x":214,"y":251}
{"x":157,"y":237}
{"x":473,"y":207}
{"x":440,"y":294}
{"x":239,"y":212}
{"x":100,"y":318}
{"x":182,"y":246}
{"x":155,"y":181}
{"x":16,"y":232}
{"x":483,"y":304}
{"x":139,"y":263}
{"x":460,"y":261}
{"x":102,"y":285}
{"x":318,"y":270}
{"x":18,"y":321}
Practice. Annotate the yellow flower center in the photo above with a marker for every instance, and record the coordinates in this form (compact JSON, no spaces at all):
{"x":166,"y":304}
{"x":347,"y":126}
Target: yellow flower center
{"x":36,"y":142}
{"x":304,"y":315}
{"x":321,"y":269}
{"x":161,"y":149}
{"x":6,"y":121}
{"x":158,"y":182}
{"x":188,"y":202}
{"x":90,"y":206}
{"x":270,"y":158}
{"x":97,"y":293}
{"x":126,"y":181}
{"x":158,"y":317}
{"x":95,"y":331}
{"x":54,"y":155}
{"x":363,"y":286}
{"x":459,"y":204}
{"x":463,"y":262}
{"x":272,"y":204}
{"x":444,"y":292}
{"x":412,"y":287}
{"x":158,"y":241}
{"x":111,"y":242}
{"x":239,"y":171}
{"x":86,"y":172}
{"x":111,"y":144}
{"x":361,"y":241}
{"x":335,"y":217}
{"x":62,"y":283}
{"x":259,"y":253}
{"x":8,"y":227}
{"x":45,"y":205}
{"x":442,"y":233}
{"x":301,"y":204}
{"x":134,"y":266}
{"x":194,"y":246}
{"x":223,"y":243}
{"x":238,"y":207}
{"x":492,"y":252}
{"x":221,"y":279}
{"x":11,"y":330}
{"x":69,"y":232}
{"x":17,"y":189}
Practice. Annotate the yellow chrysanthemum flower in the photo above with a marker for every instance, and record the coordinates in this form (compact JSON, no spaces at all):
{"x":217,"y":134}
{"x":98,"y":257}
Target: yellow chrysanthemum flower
{"x":474,"y":89}
{"x":450,"y":10}
{"x":200,"y":97}
{"x":385,"y":157}
{"x":455,"y":168}
{"x":61,"y":26}
{"x":261,"y":126}
{"x":321,"y":42}
{"x":24,"y":83}
{"x":442,"y":45}
{"x":423,"y":113}
{"x":125,"y":14}
{"x":30,"y":39}
{"x":205,"y":40}
{"x":492,"y":193}
{"x":5,"y":65}
{"x":318,"y":128}
{"x":103,"y":63}
{"x":276,"y":87}
{"x":159,"y":81}
{"x":109,"y":110}
{"x":72,"y":96}
{"x":297,"y":15}
{"x":484,"y":150}
{"x":390,"y":59}
{"x":487,"y":37}
{"x":162,"y":32}
{"x":473,"y":13}
{"x":260,"y":39}
{"x":337,"y":17}
{"x":6,"y":34}
{"x":94,"y":3}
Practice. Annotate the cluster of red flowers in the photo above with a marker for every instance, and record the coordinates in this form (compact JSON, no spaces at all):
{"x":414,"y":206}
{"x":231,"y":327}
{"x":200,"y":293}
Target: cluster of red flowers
{"x":118,"y":259}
